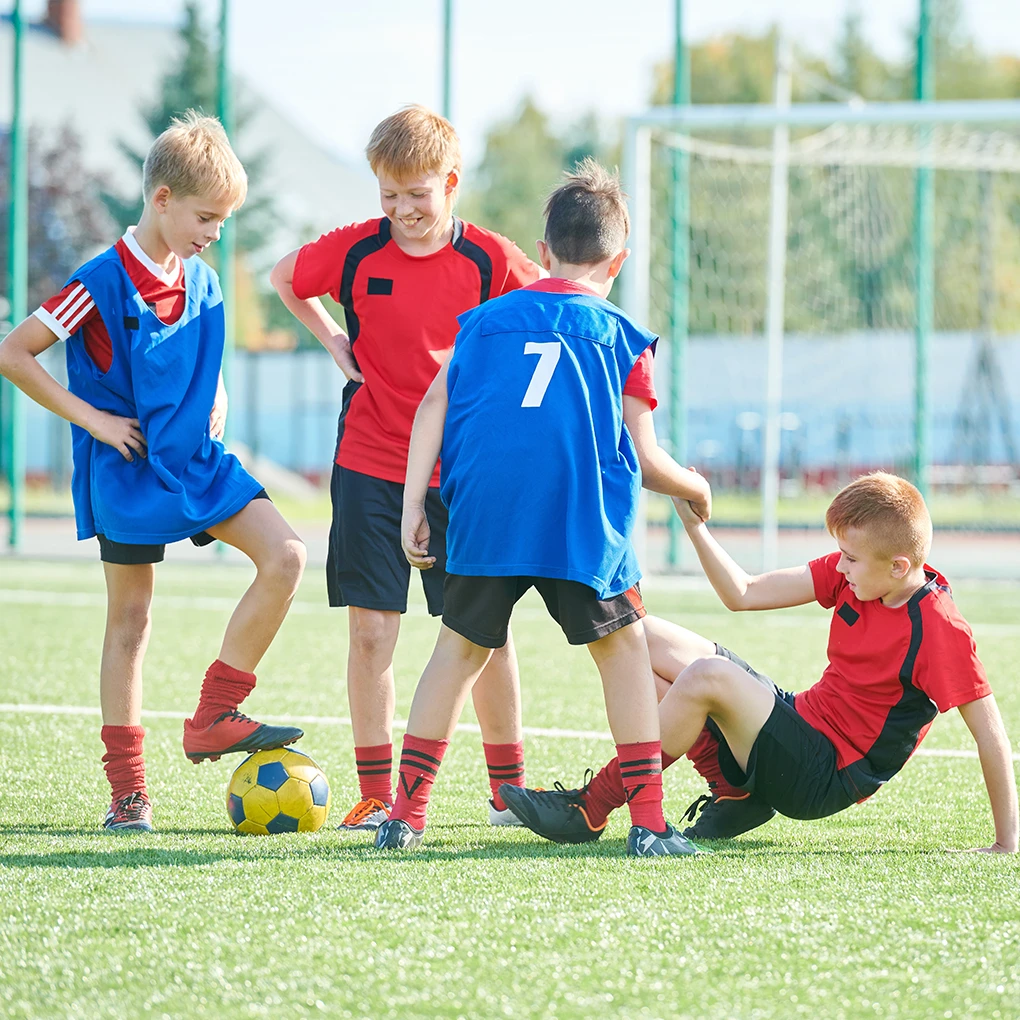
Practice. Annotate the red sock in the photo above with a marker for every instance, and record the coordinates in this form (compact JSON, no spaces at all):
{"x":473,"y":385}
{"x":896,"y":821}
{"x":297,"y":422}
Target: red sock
{"x":375,"y":772}
{"x":419,"y":762}
{"x":606,"y":793}
{"x":506,"y":765}
{"x":125,"y":767}
{"x":704,"y":755}
{"x":223,"y":689}
{"x":641,"y":772}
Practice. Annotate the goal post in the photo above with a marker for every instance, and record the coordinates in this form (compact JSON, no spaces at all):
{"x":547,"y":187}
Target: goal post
{"x":803,"y":225}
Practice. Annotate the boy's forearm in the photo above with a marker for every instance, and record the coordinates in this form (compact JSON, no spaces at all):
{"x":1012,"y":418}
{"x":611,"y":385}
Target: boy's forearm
{"x":996,"y":756}
{"x":424,"y":449}
{"x":726,"y":576}
{"x":660,"y":473}
{"x":312,"y":314}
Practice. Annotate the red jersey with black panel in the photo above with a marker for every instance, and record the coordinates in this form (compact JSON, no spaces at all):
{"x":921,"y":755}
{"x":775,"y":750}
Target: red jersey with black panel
{"x":73,"y":308}
{"x":401,"y":313}
{"x":890,"y":672}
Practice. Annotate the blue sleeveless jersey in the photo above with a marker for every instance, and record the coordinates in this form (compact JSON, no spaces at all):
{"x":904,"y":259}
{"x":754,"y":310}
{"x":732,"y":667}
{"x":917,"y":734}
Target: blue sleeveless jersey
{"x":166,"y":377}
{"x":538,"y":470}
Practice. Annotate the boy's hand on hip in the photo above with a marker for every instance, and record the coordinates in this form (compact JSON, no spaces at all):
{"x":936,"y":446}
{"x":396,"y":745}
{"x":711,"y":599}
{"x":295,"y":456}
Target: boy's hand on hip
{"x":123,"y":434}
{"x":346,"y":363}
{"x":414,"y":537}
{"x":218,"y":417}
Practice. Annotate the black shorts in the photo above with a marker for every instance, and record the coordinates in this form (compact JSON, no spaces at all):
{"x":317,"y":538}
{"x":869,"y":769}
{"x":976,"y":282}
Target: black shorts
{"x":129,"y":554}
{"x":366,"y":565}
{"x":791,"y":765}
{"x":479,"y":608}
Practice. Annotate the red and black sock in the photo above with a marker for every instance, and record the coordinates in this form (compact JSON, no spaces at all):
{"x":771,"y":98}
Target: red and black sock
{"x":704,"y":755}
{"x":223,"y":689}
{"x":375,"y":772}
{"x":125,"y":767}
{"x":419,"y":762}
{"x":606,"y":791}
{"x":506,"y":765}
{"x":641,"y":772}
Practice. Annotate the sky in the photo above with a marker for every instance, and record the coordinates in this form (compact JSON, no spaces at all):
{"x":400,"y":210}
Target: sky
{"x":337,"y":67}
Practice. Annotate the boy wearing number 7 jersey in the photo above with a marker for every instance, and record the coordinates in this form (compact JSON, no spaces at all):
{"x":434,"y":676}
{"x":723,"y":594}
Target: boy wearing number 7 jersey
{"x":543,"y":457}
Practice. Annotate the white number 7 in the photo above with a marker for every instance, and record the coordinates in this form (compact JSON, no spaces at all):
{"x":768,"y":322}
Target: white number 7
{"x":549,"y":354}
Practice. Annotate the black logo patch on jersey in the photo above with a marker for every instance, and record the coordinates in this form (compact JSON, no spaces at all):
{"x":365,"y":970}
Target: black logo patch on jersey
{"x":848,"y":614}
{"x":130,"y":322}
{"x":379,"y":285}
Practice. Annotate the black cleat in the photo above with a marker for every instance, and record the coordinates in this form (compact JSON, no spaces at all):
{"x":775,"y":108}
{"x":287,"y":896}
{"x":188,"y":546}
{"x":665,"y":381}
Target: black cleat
{"x":558,"y":814}
{"x":642,"y":842}
{"x":396,"y":834}
{"x":725,"y":817}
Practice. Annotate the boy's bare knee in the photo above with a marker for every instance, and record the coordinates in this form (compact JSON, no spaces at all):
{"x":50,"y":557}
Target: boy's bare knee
{"x":372,"y":631}
{"x":706,"y":677}
{"x":287,"y":564}
{"x":130,"y":619}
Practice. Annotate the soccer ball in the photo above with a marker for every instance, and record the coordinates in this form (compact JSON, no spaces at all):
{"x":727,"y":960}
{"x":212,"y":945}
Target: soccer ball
{"x":278,"y":791}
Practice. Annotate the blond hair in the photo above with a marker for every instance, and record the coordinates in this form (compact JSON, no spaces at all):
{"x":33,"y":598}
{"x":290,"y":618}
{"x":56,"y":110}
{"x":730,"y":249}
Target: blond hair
{"x":193,"y":157}
{"x":586,"y":218}
{"x":414,"y":142}
{"x":889,"y":511}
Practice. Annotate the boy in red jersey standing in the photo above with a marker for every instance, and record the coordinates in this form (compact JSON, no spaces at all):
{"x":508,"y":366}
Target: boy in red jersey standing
{"x":143,"y":325}
{"x":899,"y":654}
{"x":402,"y":279}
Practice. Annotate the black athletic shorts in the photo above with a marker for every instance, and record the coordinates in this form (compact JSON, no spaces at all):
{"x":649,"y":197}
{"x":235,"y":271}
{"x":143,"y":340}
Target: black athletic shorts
{"x":366,"y":565}
{"x":479,"y":608}
{"x":129,"y":554}
{"x":791,"y":765}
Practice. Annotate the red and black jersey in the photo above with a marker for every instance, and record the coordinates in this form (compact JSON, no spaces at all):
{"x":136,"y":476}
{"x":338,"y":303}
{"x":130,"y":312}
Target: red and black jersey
{"x":73,"y":308}
{"x":890,"y":672}
{"x":401,"y":313}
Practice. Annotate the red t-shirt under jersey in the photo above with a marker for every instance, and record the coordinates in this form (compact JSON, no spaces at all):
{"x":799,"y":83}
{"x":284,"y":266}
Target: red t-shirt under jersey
{"x":401,"y":315}
{"x":73,"y":308}
{"x":889,"y":669}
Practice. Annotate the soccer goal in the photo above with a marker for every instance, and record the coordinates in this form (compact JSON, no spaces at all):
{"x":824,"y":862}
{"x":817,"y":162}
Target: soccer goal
{"x":838,"y":289}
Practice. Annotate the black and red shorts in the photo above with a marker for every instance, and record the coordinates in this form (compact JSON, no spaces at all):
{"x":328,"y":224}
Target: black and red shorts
{"x":479,"y":608}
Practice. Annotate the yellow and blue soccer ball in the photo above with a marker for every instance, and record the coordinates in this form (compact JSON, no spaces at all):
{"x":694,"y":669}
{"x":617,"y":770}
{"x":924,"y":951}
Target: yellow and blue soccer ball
{"x":278,"y":791}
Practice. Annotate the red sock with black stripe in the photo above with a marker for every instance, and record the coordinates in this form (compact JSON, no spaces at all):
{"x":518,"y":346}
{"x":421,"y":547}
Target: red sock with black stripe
{"x":641,"y":772}
{"x":419,"y":762}
{"x":375,"y":772}
{"x":606,"y":791}
{"x":506,"y":765}
{"x":704,"y":756}
{"x":123,"y":762}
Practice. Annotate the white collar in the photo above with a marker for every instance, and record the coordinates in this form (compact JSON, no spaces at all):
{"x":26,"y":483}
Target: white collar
{"x":169,"y":277}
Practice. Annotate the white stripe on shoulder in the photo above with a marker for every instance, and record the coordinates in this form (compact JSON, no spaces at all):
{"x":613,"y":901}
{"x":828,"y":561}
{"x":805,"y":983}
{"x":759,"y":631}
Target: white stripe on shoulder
{"x":70,"y":315}
{"x":47,"y":319}
{"x":73,"y":295}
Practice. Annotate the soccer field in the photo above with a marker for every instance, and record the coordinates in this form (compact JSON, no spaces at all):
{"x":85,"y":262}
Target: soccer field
{"x":864,"y":914}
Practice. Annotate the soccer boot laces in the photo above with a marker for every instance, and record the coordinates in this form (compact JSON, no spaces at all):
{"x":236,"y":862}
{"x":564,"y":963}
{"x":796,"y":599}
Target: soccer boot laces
{"x":558,"y":814}
{"x":130,"y":813}
{"x":232,"y":733}
{"x":366,"y":816}
{"x":723,"y":817}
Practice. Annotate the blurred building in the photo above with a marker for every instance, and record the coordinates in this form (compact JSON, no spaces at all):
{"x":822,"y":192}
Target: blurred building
{"x":97,"y":76}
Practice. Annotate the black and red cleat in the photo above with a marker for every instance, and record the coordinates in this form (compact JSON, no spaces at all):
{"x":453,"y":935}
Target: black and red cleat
{"x":130,"y":813}
{"x":234,"y":733}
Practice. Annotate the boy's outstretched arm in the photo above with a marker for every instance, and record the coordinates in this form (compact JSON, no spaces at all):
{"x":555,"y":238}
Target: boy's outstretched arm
{"x":739,"y":590}
{"x":659,"y":472}
{"x":312,"y":313}
{"x":985,"y":723}
{"x":19,"y":352}
{"x":422,"y":454}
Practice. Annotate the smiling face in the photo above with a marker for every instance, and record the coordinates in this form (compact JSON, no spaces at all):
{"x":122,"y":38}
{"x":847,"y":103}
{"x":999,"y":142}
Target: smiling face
{"x":419,"y":209}
{"x":190,"y":223}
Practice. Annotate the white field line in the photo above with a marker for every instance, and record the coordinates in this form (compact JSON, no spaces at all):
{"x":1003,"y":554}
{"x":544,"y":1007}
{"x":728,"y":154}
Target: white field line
{"x":205,"y":603}
{"x":400,"y":724}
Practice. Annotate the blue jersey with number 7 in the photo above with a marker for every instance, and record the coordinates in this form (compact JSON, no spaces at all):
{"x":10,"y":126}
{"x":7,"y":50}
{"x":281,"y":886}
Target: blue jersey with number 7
{"x":539,"y":473}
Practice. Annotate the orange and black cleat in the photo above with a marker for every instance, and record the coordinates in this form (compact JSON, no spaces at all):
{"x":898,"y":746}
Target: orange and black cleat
{"x":557,"y":814}
{"x":234,"y":733}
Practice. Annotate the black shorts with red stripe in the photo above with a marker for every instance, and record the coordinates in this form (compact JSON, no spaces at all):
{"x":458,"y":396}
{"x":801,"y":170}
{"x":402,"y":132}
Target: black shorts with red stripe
{"x":479,"y":608}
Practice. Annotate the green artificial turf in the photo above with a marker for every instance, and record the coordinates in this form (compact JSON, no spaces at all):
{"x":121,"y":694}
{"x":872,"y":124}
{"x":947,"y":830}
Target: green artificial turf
{"x":865,"y":914}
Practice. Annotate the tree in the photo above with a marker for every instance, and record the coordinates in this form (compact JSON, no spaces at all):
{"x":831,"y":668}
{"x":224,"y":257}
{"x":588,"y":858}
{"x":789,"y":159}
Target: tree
{"x":192,"y":84}
{"x":67,"y":221}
